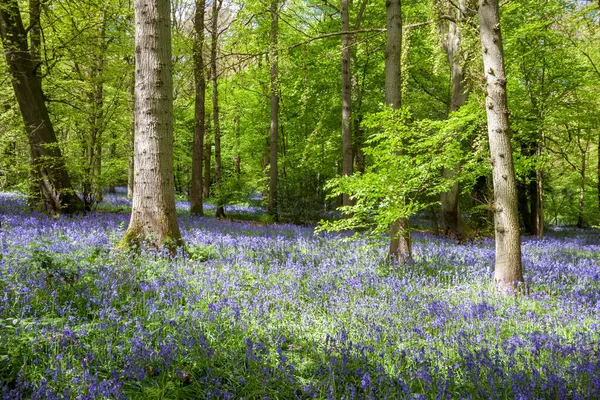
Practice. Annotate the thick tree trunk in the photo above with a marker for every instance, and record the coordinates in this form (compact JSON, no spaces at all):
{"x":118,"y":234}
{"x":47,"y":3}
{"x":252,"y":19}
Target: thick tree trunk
{"x":400,"y":236}
{"x":131,"y":144}
{"x":347,"y":160}
{"x":508,"y":273}
{"x":453,"y":225}
{"x":274,"y":127}
{"x":220,"y":213}
{"x":200,"y":114}
{"x":52,"y":180}
{"x":153,"y":216}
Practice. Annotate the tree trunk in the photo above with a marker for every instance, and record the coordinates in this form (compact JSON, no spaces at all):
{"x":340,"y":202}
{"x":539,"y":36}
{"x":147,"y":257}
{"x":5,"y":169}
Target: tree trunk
{"x":453,"y":225}
{"x":153,"y":216}
{"x":598,"y":167}
{"x":274,"y":127}
{"x":216,"y":6}
{"x":96,"y":118}
{"x":207,"y":152}
{"x":580,"y":217}
{"x":200,"y":114}
{"x":347,"y":160}
{"x":52,"y":179}
{"x":508,"y":273}
{"x":400,"y":236}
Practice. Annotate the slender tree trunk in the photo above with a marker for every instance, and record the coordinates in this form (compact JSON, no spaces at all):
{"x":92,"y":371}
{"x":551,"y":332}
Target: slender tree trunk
{"x":400,"y":236}
{"x":207,"y":152}
{"x":453,"y":225}
{"x":97,"y":115}
{"x":347,"y":160}
{"x":598,"y":167}
{"x":113,"y":155}
{"x":274,"y":127}
{"x":216,"y":6}
{"x":580,"y":217}
{"x":52,"y":179}
{"x":533,"y":203}
{"x":153,"y":216}
{"x":237,"y":160}
{"x":508,"y":272}
{"x":200,"y":114}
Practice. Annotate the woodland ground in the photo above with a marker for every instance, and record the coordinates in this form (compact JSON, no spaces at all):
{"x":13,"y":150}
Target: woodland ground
{"x":273,"y":311}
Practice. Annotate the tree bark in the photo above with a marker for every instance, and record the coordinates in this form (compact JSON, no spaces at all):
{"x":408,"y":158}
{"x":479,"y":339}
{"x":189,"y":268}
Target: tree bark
{"x":508,"y":273}
{"x":453,"y":225}
{"x":274,"y":127}
{"x":347,"y":160}
{"x":153,"y":216}
{"x":51,"y":178}
{"x":200,"y":114}
{"x":216,"y":7}
{"x":400,"y":236}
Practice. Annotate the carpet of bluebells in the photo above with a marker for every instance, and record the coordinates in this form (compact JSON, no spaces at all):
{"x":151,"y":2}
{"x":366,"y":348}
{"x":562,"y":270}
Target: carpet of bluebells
{"x":272,"y":311}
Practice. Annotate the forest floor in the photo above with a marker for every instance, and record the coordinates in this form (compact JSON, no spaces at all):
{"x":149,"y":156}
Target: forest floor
{"x":273,"y":311}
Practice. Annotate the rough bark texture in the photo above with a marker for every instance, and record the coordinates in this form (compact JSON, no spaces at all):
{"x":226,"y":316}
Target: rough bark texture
{"x":274,"y":127}
{"x":508,"y":271}
{"x":400,"y":236}
{"x":200,"y":114}
{"x":453,"y":225}
{"x":51,"y":178}
{"x":347,"y":160}
{"x":220,"y":213}
{"x":153,"y":216}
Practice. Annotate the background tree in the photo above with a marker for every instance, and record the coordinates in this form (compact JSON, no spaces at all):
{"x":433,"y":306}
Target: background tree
{"x":200,"y":114}
{"x":51,"y":176}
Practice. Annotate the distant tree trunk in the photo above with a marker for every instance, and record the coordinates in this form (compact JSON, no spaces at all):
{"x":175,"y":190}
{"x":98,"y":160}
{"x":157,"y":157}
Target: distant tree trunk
{"x":508,"y":271}
{"x":539,"y":220}
{"x":524,"y":203}
{"x":274,"y":127}
{"x":113,"y":155}
{"x":153,"y":216}
{"x":207,"y":152}
{"x":52,"y":179}
{"x":196,"y":195}
{"x":216,"y":7}
{"x":598,"y":174}
{"x":400,"y":236}
{"x":453,"y":225}
{"x":237,"y":160}
{"x":96,"y":118}
{"x":347,"y":161}
{"x":580,"y":217}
